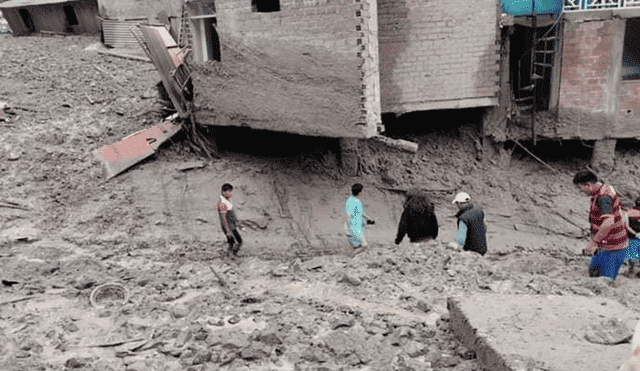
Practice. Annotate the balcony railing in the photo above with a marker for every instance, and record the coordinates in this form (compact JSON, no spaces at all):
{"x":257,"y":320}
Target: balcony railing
{"x":582,"y":5}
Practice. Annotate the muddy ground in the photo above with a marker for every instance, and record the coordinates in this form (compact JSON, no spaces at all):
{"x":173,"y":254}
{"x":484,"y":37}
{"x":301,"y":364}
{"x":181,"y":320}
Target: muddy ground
{"x":293,"y":299}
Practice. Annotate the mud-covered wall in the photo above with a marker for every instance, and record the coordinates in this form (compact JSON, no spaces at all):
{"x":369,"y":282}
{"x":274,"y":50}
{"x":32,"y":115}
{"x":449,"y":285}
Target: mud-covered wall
{"x":51,"y":17}
{"x":438,"y":54}
{"x":311,"y":45}
{"x":124,"y":9}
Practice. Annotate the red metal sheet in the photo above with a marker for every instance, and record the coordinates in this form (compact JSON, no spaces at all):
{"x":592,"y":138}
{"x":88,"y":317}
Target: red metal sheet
{"x":119,"y":156}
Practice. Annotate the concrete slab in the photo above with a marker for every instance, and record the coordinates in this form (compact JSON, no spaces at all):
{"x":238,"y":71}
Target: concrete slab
{"x":538,"y":332}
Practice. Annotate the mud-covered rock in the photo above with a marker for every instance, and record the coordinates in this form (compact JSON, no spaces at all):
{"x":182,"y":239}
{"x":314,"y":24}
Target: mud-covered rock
{"x":255,"y":351}
{"x":414,"y":349}
{"x":314,"y":354}
{"x":350,"y":279}
{"x":182,"y":338}
{"x":609,"y":332}
{"x":201,"y":357}
{"x":77,"y":362}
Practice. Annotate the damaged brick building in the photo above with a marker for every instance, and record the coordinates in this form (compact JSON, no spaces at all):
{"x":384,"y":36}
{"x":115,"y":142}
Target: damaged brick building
{"x":368,"y":58}
{"x":559,"y":70}
{"x":580,"y":79}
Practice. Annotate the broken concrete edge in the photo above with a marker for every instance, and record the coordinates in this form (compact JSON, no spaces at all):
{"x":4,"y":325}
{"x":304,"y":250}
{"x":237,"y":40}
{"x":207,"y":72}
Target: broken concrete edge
{"x":486,"y":354}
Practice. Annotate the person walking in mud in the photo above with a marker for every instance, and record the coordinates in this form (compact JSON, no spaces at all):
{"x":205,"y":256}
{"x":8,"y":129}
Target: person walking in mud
{"x":228,"y":219}
{"x":608,"y":232}
{"x":355,"y":219}
{"x":631,"y":219}
{"x":418,"y":220}
{"x":471,"y":234}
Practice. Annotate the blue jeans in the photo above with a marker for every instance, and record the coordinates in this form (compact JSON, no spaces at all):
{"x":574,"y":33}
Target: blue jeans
{"x":633,"y":251}
{"x":608,"y":263}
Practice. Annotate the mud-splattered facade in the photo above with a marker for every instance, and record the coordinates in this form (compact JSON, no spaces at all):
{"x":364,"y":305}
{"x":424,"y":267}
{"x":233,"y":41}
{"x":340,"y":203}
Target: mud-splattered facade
{"x":338,"y":37}
{"x":29,"y":16}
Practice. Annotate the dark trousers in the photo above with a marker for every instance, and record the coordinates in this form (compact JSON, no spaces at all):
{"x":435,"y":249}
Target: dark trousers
{"x":233,"y":240}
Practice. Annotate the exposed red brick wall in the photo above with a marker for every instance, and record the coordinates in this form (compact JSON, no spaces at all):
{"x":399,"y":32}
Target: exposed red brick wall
{"x":433,"y":54}
{"x":629,"y":101}
{"x":586,"y":62}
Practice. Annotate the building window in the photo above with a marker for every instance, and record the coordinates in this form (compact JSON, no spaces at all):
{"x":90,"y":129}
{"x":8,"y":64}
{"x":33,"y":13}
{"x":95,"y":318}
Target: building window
{"x":631,"y":51}
{"x":26,"y":18}
{"x":265,"y":6}
{"x":71,"y":15}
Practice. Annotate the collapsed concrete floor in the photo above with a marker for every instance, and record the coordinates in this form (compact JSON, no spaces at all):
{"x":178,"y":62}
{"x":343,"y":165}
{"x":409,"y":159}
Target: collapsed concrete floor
{"x":293,"y":298}
{"x":543,"y":332}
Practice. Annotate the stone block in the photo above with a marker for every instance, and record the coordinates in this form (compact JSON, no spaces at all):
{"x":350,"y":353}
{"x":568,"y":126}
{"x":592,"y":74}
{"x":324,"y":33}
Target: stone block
{"x":538,"y":332}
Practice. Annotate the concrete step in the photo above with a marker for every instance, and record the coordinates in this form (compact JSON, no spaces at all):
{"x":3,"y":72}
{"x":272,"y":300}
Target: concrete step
{"x":538,"y":332}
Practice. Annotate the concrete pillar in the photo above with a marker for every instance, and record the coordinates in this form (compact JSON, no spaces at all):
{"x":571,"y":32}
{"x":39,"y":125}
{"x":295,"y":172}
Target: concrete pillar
{"x":349,"y":156}
{"x":603,"y":156}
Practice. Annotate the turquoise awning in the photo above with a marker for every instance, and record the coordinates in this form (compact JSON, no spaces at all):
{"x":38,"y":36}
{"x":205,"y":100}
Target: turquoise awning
{"x":524,"y":7}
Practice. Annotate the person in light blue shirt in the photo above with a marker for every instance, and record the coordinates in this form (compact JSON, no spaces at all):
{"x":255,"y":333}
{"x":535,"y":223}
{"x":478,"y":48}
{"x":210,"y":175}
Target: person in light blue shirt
{"x":355,"y":218}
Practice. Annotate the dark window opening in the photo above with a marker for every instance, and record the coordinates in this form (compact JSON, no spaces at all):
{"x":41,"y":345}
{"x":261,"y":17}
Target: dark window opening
{"x":525,"y":69}
{"x":265,"y":6}
{"x":26,"y":18}
{"x":71,"y":15}
{"x":631,"y":50}
{"x":213,"y":41}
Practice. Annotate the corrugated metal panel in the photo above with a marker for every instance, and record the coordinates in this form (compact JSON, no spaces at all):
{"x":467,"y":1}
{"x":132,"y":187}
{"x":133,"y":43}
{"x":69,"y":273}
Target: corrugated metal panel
{"x":117,"y":34}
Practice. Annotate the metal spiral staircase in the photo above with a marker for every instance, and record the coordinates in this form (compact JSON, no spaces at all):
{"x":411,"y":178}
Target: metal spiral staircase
{"x":542,"y":57}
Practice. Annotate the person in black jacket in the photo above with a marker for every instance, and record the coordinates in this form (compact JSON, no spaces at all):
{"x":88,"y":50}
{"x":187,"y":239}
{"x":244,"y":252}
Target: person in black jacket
{"x":472,"y":230}
{"x":418,"y":219}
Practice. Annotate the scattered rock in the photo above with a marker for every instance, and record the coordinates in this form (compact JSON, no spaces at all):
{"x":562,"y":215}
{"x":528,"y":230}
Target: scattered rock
{"x":501,"y":287}
{"x":235,"y":340}
{"x":137,"y":366}
{"x":280,"y":271}
{"x":83,"y":282}
{"x":423,"y":306}
{"x":234,"y":319}
{"x":376,"y":327}
{"x":171,"y":350}
{"x":314,"y":354}
{"x":269,"y":339}
{"x":340,"y":321}
{"x":609,"y":332}
{"x":227,"y":357}
{"x":71,"y":327}
{"x":76,"y":362}
{"x":415,"y":349}
{"x":182,"y":338}
{"x":313,"y":264}
{"x":202,"y":356}
{"x":254,"y":351}
{"x":354,"y":281}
